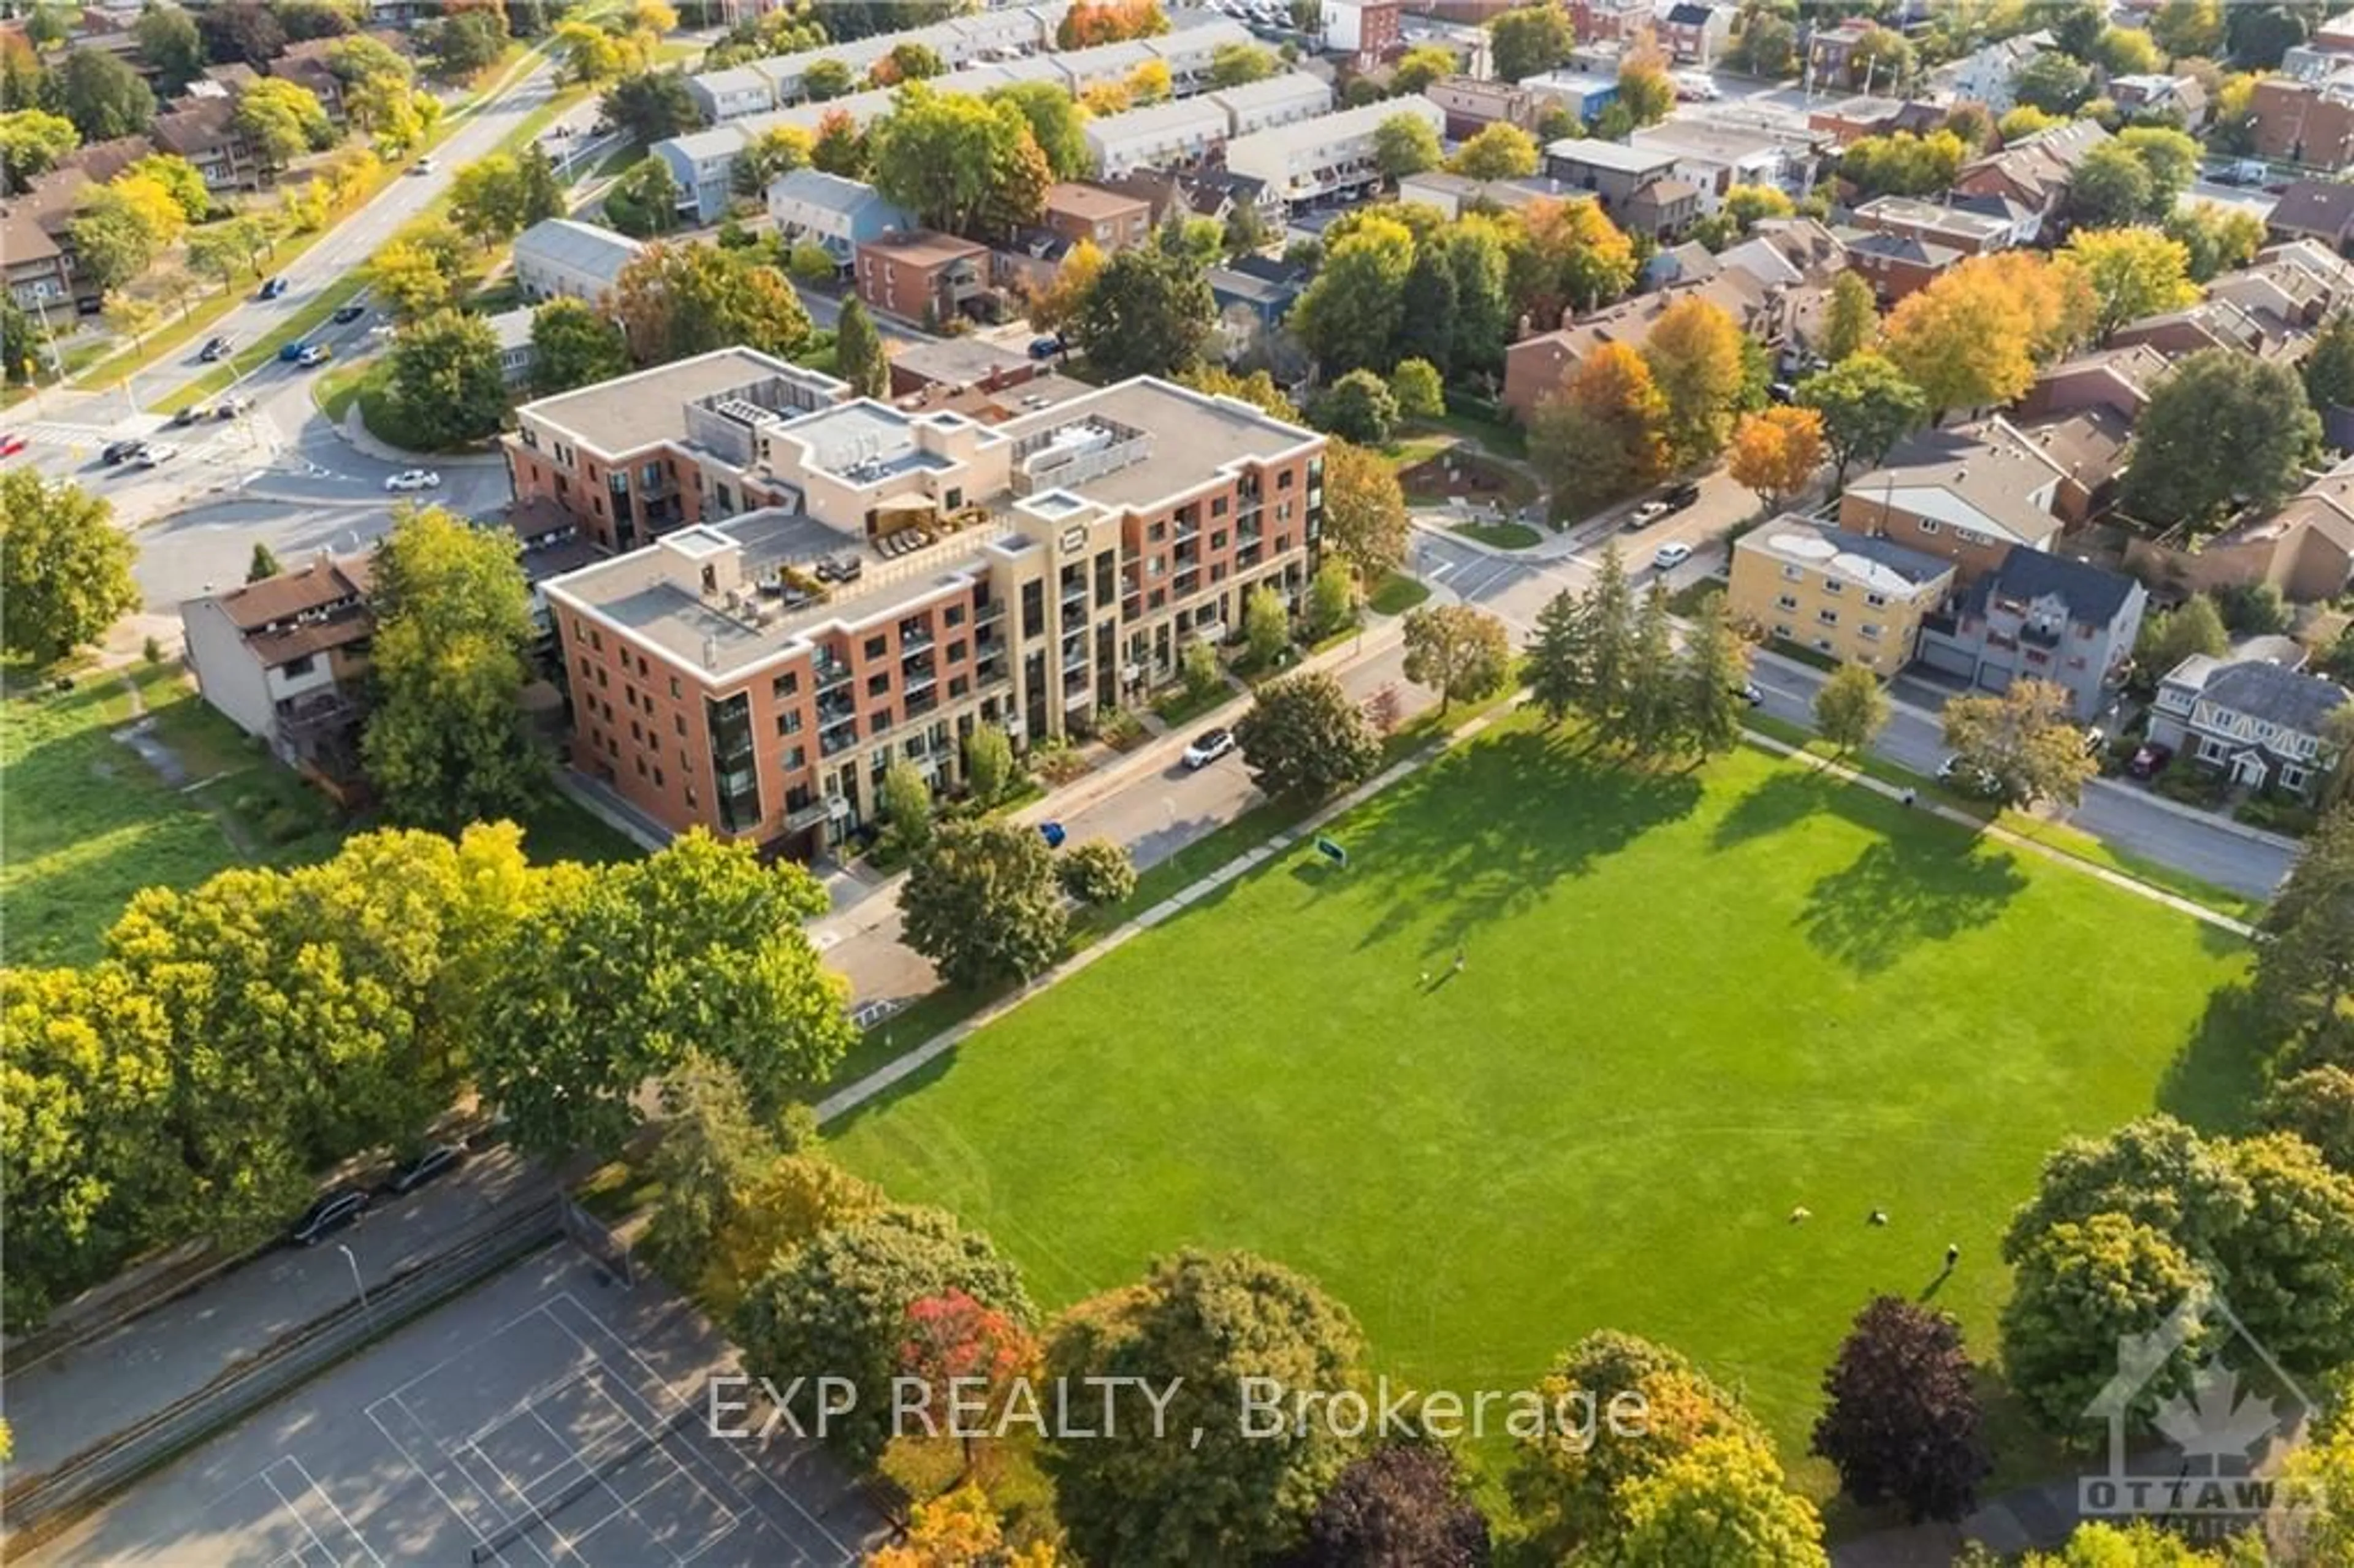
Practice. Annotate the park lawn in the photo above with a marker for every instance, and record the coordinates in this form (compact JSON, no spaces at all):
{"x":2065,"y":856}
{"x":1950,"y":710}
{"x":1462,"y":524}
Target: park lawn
{"x":88,"y":823}
{"x":1691,"y":1003}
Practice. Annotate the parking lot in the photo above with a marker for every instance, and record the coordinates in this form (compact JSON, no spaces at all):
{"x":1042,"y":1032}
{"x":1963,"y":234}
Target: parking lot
{"x":554,"y":1416}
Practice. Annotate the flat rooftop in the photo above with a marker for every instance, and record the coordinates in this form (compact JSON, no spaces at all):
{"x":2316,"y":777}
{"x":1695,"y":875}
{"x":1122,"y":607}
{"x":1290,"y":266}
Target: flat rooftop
{"x":862,"y":442}
{"x":635,"y":411}
{"x":1193,"y":435}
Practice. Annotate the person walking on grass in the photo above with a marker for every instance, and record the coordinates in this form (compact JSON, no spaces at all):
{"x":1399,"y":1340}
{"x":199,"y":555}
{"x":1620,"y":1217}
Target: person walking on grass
{"x":1458,"y":961}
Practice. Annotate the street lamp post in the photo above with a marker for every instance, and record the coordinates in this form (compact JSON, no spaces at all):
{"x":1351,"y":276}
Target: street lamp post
{"x":358,"y":1283}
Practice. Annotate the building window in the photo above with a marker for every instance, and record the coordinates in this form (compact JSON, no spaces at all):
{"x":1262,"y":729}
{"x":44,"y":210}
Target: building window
{"x":2292,"y":776}
{"x":795,"y":759}
{"x":1786,"y":601}
{"x":1877,"y":600}
{"x":790,"y":722}
{"x":1832,"y":585}
{"x":295,"y":669}
{"x":1782,"y":630}
{"x":1826,"y":617}
{"x":1926,"y":524}
{"x":1823,"y":645}
{"x":877,"y":647}
{"x":1870,"y":629}
{"x":678,"y":721}
{"x":2211,"y":749}
{"x":1792,"y":574}
{"x":1283,"y":481}
{"x":784,"y":686}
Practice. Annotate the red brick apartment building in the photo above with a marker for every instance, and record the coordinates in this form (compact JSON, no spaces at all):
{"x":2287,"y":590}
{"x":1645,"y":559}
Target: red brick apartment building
{"x":834,"y":585}
{"x":918,"y":275}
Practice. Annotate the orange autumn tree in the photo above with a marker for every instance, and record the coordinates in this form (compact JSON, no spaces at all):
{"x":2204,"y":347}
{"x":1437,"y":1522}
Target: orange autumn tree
{"x":1090,"y":22}
{"x":1775,"y":452}
{"x":959,"y":1530}
{"x":966,"y":1358}
{"x":1602,"y":436}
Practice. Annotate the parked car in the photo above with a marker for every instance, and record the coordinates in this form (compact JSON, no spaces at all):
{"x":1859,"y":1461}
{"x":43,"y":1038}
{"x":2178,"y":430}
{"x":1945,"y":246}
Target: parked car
{"x":1679,"y":496}
{"x":1045,"y":347}
{"x":214,"y":348}
{"x":315,"y":353}
{"x":1208,"y":746}
{"x":117,"y":450}
{"x":1696,"y":87}
{"x":412,"y":479}
{"x":424,"y":165}
{"x":1967,"y":777}
{"x":2094,"y":739}
{"x":1054,"y":833}
{"x":273,"y":288}
{"x":1751,"y":692}
{"x":414,"y":1173}
{"x":1646,"y":515}
{"x":331,"y":1213}
{"x":1670,"y":556}
{"x":2150,"y":759}
{"x":345,"y":315}
{"x":155,"y":454}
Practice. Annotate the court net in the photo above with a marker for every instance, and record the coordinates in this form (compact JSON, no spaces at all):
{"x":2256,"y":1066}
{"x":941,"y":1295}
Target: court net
{"x":494,"y":1544}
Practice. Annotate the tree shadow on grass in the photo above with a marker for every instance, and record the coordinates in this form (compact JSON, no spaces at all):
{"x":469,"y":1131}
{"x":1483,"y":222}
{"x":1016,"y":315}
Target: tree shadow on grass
{"x":1496,"y":825}
{"x":1787,"y":797}
{"x":1902,"y":892}
{"x":2215,"y":1080}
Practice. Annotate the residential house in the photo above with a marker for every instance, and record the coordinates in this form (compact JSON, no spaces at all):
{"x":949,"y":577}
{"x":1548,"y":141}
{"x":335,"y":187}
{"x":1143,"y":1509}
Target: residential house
{"x":2033,"y":172}
{"x":1969,"y":493}
{"x":1609,"y":21}
{"x":1367,"y":31}
{"x":2177,"y":98}
{"x":37,"y":223}
{"x":286,"y":661}
{"x":703,"y":165}
{"x":2261,"y":725}
{"x":1328,"y":158}
{"x":2088,"y":444}
{"x":1985,"y":74}
{"x":1473,"y":103}
{"x":304,"y":63}
{"x":2038,"y":616}
{"x":1113,"y":222}
{"x":1584,"y":94}
{"x":1855,"y":597}
{"x":1161,"y":135}
{"x":2318,"y":210}
{"x":1960,"y":229}
{"x":731,"y":94}
{"x":1788,"y":251}
{"x":1714,"y":157}
{"x":1281,"y":100}
{"x":1831,"y":55}
{"x":1190,"y":51}
{"x":1693,"y":33}
{"x":914,"y":577}
{"x":202,"y":129}
{"x":813,"y":207}
{"x":2212,"y":323}
{"x":1636,"y":186}
{"x":1261,"y":287}
{"x":956,"y":364}
{"x":1896,"y":265}
{"x":2307,"y":122}
{"x":2306,"y":549}
{"x":920,"y":276}
{"x":2119,"y":378}
{"x":512,"y":331}
{"x":37,"y":272}
{"x":1537,"y":364}
{"x":564,"y":257}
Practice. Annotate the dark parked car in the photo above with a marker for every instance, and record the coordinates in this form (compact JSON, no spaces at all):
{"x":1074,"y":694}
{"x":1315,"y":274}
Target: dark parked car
{"x":331,"y":1213}
{"x":273,"y":289}
{"x":1679,"y":496}
{"x":2150,"y":759}
{"x":118,"y":450}
{"x":214,"y":348}
{"x":1045,"y":347}
{"x":414,"y":1173}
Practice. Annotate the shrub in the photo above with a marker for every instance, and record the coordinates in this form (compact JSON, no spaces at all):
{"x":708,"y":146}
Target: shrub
{"x":1098,"y":871}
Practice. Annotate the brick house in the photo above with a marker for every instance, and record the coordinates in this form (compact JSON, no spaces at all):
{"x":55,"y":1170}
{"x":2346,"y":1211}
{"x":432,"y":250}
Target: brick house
{"x":1969,"y":493}
{"x":919,"y":275}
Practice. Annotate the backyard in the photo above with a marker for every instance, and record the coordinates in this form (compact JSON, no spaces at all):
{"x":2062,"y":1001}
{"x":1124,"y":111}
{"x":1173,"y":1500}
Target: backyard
{"x":88,"y":823}
{"x":1688,"y":1002}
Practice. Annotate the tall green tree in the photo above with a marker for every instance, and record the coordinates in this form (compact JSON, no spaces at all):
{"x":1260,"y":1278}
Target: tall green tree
{"x":1724,"y":1501}
{"x":1406,"y":144}
{"x":1867,"y":407}
{"x":942,"y":155}
{"x":32,"y":141}
{"x":1850,"y":708}
{"x":2304,"y":972}
{"x":1530,"y":40}
{"x":1056,"y":124}
{"x":446,"y":742}
{"x":1428,"y":306}
{"x":1651,"y":719}
{"x":169,"y":45}
{"x":906,"y":807}
{"x":2079,"y":1290}
{"x":2317,"y":1106}
{"x":1712,"y":672}
{"x":2226,"y":429}
{"x":1149,"y":313}
{"x":1853,"y":321}
{"x":1351,"y":315}
{"x":103,"y":97}
{"x":1694,"y":352}
{"x":1266,"y":627}
{"x":2329,"y":366}
{"x":1200,"y":1326}
{"x":651,"y":106}
{"x":678,"y":301}
{"x":64,"y":567}
{"x":573,"y":346}
{"x":1557,"y":657}
{"x":613,"y":975}
{"x":859,"y":356}
{"x":712,"y":1150}
{"x":261,"y":564}
{"x":1458,"y":651}
{"x":444,"y":377}
{"x":1365,"y":520}
{"x":981,"y":902}
{"x":988,"y":764}
{"x":1303,"y":738}
{"x":1606,"y":630}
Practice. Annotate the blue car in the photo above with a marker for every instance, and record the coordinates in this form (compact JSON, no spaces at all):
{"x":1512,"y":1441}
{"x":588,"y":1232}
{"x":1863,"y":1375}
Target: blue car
{"x":1053,"y":834}
{"x":292,"y":352}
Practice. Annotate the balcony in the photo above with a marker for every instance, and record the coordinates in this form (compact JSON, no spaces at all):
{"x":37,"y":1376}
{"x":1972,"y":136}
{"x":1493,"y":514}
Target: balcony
{"x":830,"y":673}
{"x":1075,"y":680}
{"x":915,"y":641}
{"x":989,"y":614}
{"x":811,"y":815}
{"x":2042,"y":636}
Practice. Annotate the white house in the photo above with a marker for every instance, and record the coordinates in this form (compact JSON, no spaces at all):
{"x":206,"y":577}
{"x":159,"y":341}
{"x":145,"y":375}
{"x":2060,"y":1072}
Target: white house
{"x":2259,"y":723}
{"x":564,"y":258}
{"x":1163,"y":135}
{"x":1985,"y":74}
{"x":702,"y":162}
{"x":725,"y":95}
{"x":1272,"y":101}
{"x":1330,"y":155}
{"x":1190,"y":51}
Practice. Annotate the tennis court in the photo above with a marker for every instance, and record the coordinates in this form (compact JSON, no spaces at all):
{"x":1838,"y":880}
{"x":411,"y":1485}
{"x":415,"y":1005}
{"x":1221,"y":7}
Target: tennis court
{"x":552,"y":1419}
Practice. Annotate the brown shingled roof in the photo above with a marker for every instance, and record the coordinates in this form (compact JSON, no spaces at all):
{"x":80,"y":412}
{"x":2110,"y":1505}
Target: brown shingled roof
{"x":313,"y":586}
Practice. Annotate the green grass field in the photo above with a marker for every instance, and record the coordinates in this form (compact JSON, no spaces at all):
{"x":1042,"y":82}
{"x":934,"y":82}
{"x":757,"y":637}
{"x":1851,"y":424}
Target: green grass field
{"x":87,"y":824}
{"x":1691,"y":1003}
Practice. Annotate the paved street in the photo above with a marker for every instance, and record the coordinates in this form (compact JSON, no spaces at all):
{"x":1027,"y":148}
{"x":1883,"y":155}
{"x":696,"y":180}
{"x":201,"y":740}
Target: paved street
{"x":62,"y":1405}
